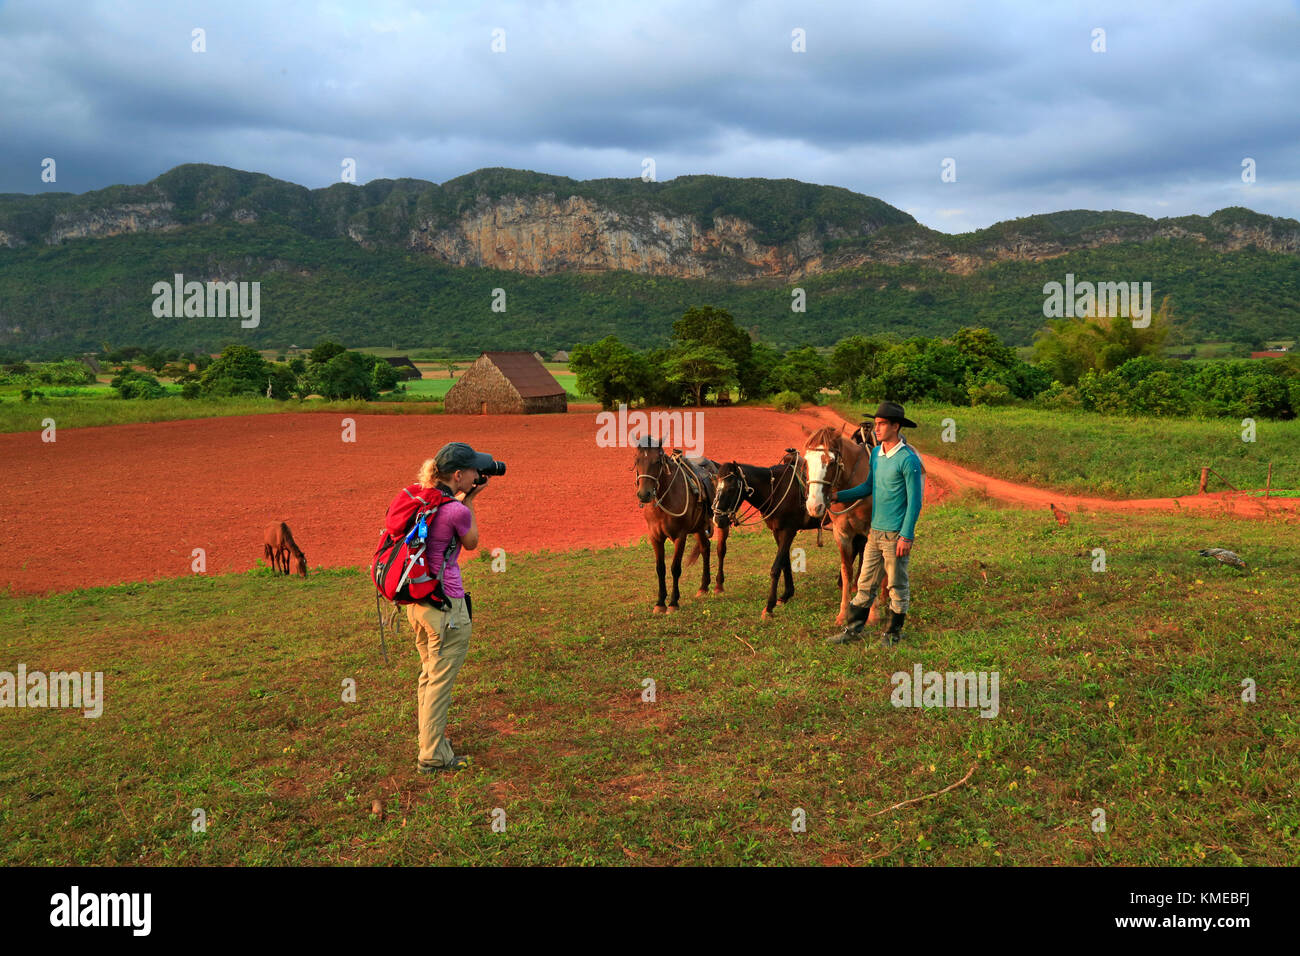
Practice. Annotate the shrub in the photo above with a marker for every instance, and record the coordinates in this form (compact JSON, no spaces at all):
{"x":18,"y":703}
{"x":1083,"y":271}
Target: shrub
{"x":138,"y":385}
{"x":1159,"y":393}
{"x":990,"y":393}
{"x":786,"y":401}
{"x":1059,"y":397}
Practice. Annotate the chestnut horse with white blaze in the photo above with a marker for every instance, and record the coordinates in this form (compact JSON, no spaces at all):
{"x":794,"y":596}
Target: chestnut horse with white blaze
{"x":678,"y":503}
{"x":834,"y":464}
{"x":279,"y":545}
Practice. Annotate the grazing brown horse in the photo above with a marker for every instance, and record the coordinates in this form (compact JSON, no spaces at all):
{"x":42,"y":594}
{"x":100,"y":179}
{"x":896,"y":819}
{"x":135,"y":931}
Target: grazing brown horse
{"x":279,"y":545}
{"x":835,"y":463}
{"x":678,"y":502}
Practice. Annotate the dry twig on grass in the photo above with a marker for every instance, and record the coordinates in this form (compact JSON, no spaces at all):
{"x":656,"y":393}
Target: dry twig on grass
{"x":928,"y":796}
{"x":746,"y":643}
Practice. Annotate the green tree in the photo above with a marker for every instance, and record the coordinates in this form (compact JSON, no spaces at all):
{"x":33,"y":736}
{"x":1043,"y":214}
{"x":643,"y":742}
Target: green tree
{"x":383,"y":375}
{"x":711,"y":326}
{"x":852,"y":358}
{"x":763,"y":360}
{"x":239,"y":370}
{"x":1069,"y":347}
{"x":802,"y":371}
{"x":699,"y":368}
{"x":610,"y":372}
{"x":346,"y":375}
{"x":325,"y":350}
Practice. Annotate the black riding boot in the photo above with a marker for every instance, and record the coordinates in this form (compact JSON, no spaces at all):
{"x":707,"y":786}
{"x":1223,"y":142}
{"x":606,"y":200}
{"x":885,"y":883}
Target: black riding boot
{"x":895,"y":632}
{"x":853,"y":630}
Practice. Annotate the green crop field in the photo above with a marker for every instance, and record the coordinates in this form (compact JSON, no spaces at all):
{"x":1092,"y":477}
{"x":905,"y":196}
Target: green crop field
{"x":1100,"y":455}
{"x":1120,"y":691}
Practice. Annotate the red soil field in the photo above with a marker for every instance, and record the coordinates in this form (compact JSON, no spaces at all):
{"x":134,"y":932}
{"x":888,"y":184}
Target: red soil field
{"x":131,"y":502}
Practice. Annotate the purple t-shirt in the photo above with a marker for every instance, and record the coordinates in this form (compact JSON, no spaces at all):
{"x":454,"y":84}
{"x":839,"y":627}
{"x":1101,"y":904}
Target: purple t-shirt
{"x":455,"y":517}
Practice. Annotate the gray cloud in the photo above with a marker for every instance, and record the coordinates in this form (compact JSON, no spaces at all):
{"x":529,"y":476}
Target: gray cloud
{"x":1036,"y":121}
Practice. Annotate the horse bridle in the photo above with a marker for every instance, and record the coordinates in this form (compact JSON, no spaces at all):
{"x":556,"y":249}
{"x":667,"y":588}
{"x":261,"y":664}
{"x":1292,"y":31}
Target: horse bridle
{"x":659,"y":500}
{"x":732,"y":513}
{"x":747,"y":489}
{"x":835,"y":460}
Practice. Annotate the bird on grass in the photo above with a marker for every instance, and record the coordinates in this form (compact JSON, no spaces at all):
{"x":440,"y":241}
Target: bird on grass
{"x":1061,"y":517}
{"x":1222,"y":556}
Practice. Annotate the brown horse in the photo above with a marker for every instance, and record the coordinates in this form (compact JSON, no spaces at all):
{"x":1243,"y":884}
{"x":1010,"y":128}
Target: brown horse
{"x":678,"y":502}
{"x":279,"y":545}
{"x":834,"y":464}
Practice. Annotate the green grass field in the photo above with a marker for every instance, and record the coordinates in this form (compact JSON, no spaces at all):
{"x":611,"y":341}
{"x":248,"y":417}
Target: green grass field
{"x":1110,"y":457}
{"x":1118,"y":690}
{"x":93,"y":405}
{"x":19,"y":416}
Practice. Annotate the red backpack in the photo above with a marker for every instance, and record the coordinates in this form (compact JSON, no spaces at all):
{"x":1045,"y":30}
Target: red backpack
{"x":399,"y":569}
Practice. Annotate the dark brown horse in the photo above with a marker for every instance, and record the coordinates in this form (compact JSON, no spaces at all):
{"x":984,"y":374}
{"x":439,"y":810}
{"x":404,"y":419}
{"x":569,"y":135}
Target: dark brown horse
{"x":678,"y":502}
{"x":777,"y":494}
{"x":279,"y":545}
{"x":834,"y":464}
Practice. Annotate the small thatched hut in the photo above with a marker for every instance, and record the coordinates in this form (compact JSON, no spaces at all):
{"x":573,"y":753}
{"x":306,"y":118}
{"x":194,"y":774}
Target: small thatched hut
{"x":560,"y":356}
{"x":506,"y":383}
{"x":406,"y":369}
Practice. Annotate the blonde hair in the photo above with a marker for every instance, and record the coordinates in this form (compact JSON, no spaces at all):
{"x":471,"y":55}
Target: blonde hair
{"x":429,"y":473}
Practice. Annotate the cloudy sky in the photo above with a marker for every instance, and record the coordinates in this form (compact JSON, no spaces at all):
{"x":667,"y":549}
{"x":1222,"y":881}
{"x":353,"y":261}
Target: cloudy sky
{"x":1035,"y":120}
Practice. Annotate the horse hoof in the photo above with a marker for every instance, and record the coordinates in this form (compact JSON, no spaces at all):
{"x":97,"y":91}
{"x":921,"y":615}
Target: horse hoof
{"x":766,"y":616}
{"x":718,"y":589}
{"x":672,"y":609}
{"x":659,"y":609}
{"x":780,"y":602}
{"x":702,"y":592}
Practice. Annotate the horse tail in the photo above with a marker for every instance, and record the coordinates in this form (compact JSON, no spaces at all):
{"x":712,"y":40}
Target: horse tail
{"x":695,"y":553}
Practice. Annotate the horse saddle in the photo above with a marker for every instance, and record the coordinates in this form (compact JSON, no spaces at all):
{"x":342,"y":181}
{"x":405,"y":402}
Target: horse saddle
{"x":704,"y":471}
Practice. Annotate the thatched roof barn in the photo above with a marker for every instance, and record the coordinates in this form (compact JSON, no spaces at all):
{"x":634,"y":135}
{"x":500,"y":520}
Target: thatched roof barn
{"x":506,"y":383}
{"x":406,"y":369}
{"x":560,"y":356}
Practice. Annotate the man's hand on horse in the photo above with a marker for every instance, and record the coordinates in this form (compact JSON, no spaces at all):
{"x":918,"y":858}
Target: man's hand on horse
{"x":904,"y":547}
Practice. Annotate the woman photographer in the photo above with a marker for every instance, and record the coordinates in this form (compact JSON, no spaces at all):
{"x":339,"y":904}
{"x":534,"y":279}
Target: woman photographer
{"x":442,"y":629}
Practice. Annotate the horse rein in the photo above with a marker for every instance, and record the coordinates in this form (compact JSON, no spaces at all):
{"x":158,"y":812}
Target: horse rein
{"x":835,"y":460}
{"x":747,"y":492}
{"x":659,"y":500}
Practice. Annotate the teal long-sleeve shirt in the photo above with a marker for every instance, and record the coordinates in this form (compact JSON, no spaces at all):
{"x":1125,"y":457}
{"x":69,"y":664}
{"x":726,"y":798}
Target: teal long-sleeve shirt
{"x":896,"y":484}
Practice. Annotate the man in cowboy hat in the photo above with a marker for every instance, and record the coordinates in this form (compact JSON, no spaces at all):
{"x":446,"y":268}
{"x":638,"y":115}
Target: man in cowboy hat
{"x":896,"y":483}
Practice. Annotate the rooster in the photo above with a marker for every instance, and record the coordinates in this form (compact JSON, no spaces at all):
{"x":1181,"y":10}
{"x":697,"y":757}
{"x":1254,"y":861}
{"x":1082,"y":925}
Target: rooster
{"x":1222,"y":556}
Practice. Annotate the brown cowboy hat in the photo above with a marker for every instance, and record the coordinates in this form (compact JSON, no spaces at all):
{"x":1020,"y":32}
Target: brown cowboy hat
{"x":895,"y":412}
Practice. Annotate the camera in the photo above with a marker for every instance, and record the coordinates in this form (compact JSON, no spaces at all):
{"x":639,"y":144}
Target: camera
{"x":493,"y":470}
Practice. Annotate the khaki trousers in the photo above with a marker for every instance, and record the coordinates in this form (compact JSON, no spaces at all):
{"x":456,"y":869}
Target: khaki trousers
{"x":442,"y":638}
{"x":878,"y":558}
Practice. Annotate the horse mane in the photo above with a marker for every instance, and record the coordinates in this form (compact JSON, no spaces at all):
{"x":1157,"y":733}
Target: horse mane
{"x":824,"y":437}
